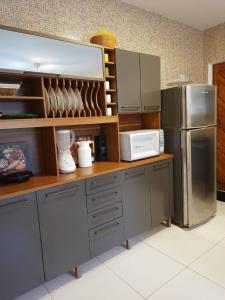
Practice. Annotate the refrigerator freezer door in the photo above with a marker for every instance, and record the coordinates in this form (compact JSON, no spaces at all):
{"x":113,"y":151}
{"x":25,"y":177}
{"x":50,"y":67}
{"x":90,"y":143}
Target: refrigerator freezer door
{"x":199,"y":175}
{"x":199,"y":106}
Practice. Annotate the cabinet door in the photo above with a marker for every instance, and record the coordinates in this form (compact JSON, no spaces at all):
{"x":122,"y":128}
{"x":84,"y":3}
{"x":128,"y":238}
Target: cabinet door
{"x":64,"y":232}
{"x":128,"y":81}
{"x":20,"y":247}
{"x":136,"y":201}
{"x":161,"y":182}
{"x":150,"y":82}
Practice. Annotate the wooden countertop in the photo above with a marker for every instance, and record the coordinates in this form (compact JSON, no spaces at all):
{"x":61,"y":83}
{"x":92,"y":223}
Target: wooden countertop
{"x":99,"y":168}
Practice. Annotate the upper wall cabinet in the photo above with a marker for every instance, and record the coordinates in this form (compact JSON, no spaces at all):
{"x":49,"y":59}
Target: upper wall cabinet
{"x":25,"y":52}
{"x":150,"y":82}
{"x":138,"y":81}
{"x":128,"y":81}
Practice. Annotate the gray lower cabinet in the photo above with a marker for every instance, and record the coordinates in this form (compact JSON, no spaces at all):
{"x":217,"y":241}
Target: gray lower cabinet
{"x":64,"y":230}
{"x":161,"y":183}
{"x":20,"y":246}
{"x":150,"y":82}
{"x":136,"y":201}
{"x":128,"y":81}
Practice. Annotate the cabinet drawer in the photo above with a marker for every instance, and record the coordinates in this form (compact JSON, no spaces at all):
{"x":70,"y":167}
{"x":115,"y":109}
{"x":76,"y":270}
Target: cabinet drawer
{"x":105,"y":214}
{"x":104,"y":198}
{"x":103,"y":182}
{"x":106,"y":236}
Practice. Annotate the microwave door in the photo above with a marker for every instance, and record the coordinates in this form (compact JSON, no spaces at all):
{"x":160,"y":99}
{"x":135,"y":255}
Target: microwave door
{"x":144,"y":145}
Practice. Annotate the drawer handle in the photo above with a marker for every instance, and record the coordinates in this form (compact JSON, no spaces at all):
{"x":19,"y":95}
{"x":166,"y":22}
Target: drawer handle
{"x":151,"y":107}
{"x":105,"y":212}
{"x":102,"y":197}
{"x":96,"y":185}
{"x":107,"y":228}
{"x":133,"y":108}
{"x":135,"y":173}
{"x":55,"y":194}
{"x":20,"y":203}
{"x":160,"y":167}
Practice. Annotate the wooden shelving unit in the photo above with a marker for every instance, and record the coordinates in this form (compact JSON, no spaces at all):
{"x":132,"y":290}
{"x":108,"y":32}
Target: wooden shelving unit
{"x":40,"y":133}
{"x":111,"y":65}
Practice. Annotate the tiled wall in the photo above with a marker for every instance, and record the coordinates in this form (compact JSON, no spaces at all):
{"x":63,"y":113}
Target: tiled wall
{"x":214,"y":46}
{"x":180,"y":46}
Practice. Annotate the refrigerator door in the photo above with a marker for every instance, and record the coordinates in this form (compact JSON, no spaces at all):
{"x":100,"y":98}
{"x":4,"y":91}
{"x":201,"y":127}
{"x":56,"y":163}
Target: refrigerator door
{"x":198,"y":106}
{"x":199,"y":175}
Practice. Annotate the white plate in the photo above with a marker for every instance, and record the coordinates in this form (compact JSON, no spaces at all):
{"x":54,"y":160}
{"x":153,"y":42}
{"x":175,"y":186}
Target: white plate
{"x":80,"y":105}
{"x":53,"y":99}
{"x":73,"y":98}
{"x":60,"y":100}
{"x":67,"y":99}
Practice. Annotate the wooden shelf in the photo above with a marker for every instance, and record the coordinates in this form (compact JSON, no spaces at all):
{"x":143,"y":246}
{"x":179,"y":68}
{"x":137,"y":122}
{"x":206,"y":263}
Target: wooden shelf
{"x":99,"y":168}
{"x":110,"y":91}
{"x":50,"y":122}
{"x":20,"y":98}
{"x":110,"y":77}
{"x":111,"y":104}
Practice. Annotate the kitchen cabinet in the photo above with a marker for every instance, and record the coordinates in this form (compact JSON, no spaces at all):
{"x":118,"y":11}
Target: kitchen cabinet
{"x":106,"y":236}
{"x":105,"y":218}
{"x":20,"y":246}
{"x":63,"y":224}
{"x":138,"y":81}
{"x":128,"y":81}
{"x":136,"y":201}
{"x":150,"y":83}
{"x":161,"y":187}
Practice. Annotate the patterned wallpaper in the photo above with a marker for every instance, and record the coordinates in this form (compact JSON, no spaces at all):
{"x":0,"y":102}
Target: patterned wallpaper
{"x":214,"y":46}
{"x":180,"y":46}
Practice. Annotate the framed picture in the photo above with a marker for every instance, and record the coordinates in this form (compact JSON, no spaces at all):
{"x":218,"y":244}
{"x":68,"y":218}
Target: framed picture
{"x":74,"y":148}
{"x":14,"y":157}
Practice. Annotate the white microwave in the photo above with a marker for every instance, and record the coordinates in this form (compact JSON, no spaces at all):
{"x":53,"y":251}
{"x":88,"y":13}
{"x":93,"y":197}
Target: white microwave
{"x":140,"y":144}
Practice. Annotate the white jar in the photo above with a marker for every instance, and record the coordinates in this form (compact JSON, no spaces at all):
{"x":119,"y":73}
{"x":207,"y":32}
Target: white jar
{"x":84,"y":154}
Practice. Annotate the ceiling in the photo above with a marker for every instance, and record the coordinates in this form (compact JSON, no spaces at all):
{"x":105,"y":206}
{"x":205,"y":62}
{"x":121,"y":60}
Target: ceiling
{"x":200,"y":14}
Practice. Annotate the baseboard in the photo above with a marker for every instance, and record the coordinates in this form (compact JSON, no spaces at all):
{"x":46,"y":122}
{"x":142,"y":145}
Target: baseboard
{"x":221,"y":196}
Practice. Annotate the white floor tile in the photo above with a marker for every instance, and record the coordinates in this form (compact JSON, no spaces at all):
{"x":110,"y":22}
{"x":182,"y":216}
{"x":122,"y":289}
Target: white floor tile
{"x":179,"y":244}
{"x":188,"y":285}
{"x":213,"y":230}
{"x":220,"y":208}
{"x":39,"y":293}
{"x":97,"y":283}
{"x":212,"y":265}
{"x":222,"y":243}
{"x":143,"y":268}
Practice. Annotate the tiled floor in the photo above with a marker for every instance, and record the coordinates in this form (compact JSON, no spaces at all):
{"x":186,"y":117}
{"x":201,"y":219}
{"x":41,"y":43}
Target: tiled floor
{"x":169,"y":263}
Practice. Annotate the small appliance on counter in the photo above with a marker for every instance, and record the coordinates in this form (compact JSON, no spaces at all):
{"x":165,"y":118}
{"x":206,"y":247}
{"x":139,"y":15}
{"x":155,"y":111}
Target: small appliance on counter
{"x":100,"y":148}
{"x":65,"y":139}
{"x":139,"y":144}
{"x":84,"y":154}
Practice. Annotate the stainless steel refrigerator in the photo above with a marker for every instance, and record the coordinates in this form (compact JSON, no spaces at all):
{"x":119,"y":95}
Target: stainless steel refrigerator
{"x":189,"y":123}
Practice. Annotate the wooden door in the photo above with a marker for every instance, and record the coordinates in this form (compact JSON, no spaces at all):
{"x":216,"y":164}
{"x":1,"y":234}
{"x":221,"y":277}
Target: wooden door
{"x":219,"y":81}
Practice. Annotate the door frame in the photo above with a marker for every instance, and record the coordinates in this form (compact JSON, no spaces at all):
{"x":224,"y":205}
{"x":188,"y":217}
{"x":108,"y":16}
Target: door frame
{"x":220,"y":194}
{"x":210,"y":70}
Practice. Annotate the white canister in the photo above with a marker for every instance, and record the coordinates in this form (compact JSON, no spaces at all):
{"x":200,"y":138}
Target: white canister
{"x":84,"y":154}
{"x":108,"y":111}
{"x":107,"y":85}
{"x":108,"y":98}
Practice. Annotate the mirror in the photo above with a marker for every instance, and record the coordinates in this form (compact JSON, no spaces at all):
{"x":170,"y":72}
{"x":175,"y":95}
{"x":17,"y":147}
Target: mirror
{"x":25,"y":52}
